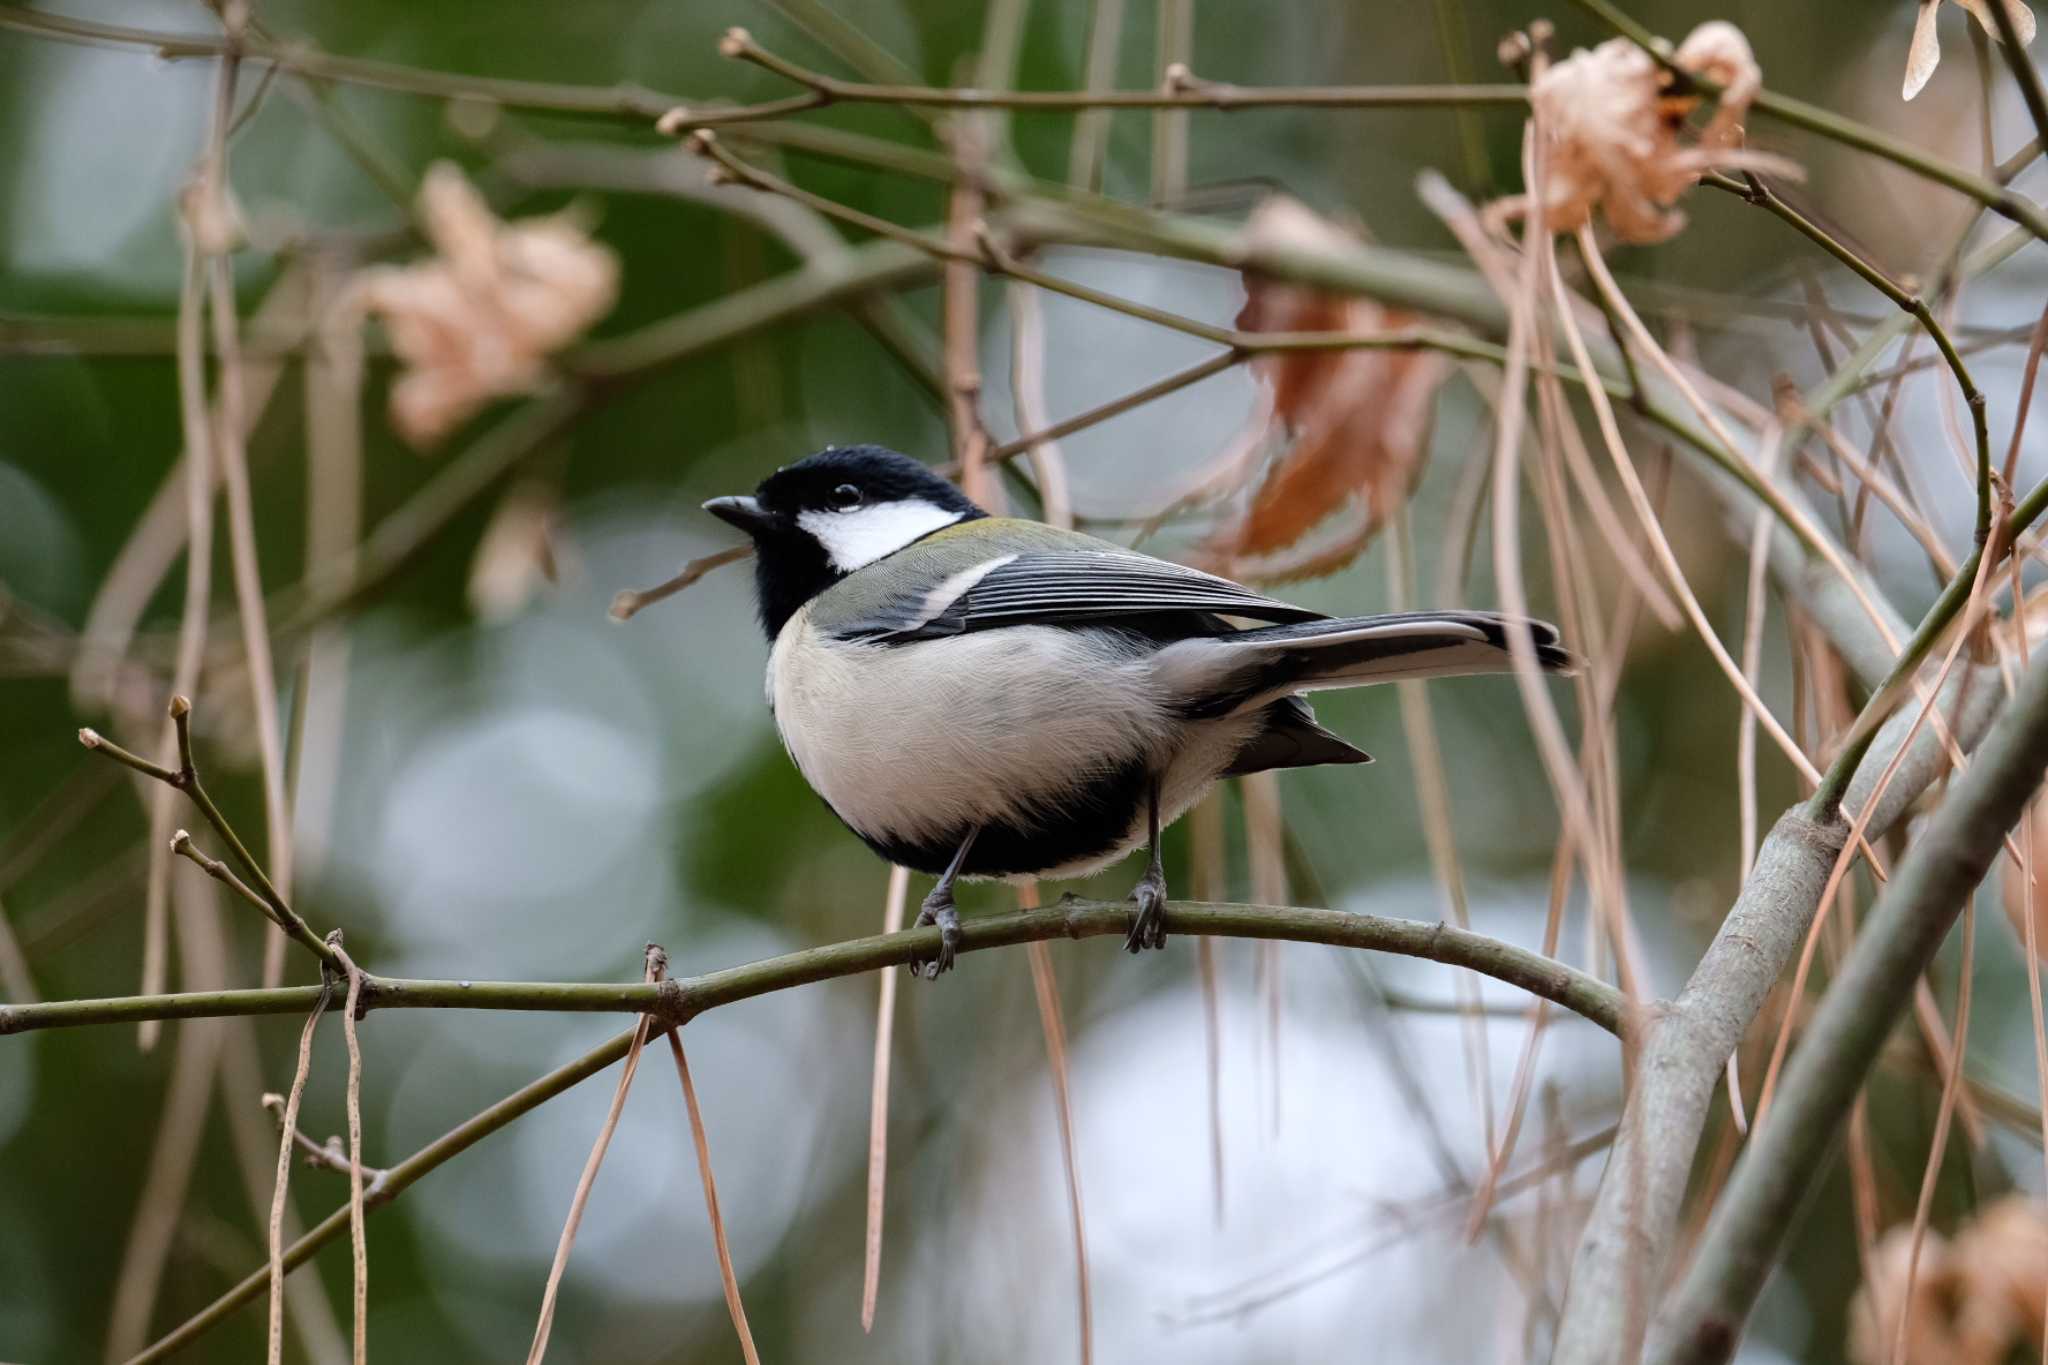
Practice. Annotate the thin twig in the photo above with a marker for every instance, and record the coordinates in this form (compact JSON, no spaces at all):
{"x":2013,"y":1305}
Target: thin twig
{"x":185,"y":778}
{"x":331,"y":1155}
{"x":1184,"y":93}
{"x":628,"y":603}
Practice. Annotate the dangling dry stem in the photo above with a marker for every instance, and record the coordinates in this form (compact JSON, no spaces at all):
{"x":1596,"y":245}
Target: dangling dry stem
{"x":878,"y":1107}
{"x":359,"y":1244}
{"x":1045,"y":988}
{"x":546,"y":1323}
{"x":274,"y":1352}
{"x":1439,"y":826}
{"x":728,"y":1278}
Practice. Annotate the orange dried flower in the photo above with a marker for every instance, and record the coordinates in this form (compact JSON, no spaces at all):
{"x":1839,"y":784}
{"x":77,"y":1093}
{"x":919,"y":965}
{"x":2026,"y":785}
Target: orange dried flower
{"x":1925,"y":53}
{"x":1357,"y":420}
{"x":479,"y":319}
{"x":1974,"y":1299}
{"x":1613,"y":131}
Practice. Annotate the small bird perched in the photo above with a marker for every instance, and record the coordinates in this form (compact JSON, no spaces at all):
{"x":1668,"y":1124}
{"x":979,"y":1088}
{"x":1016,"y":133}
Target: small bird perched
{"x":987,"y":697}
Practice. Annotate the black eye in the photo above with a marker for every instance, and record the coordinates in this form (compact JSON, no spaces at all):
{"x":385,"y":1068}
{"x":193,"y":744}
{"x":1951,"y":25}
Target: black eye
{"x":845,"y":498}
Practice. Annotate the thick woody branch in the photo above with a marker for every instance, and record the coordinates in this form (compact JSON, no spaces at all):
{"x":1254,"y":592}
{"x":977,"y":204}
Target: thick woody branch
{"x":1782,"y":1162}
{"x":1618,"y":1267}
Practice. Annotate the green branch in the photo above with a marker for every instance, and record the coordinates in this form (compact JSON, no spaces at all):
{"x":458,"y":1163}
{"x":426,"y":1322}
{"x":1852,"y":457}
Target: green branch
{"x":681,"y":999}
{"x":637,"y":104}
{"x":1179,"y":90}
{"x":185,"y":778}
{"x":676,"y":1001}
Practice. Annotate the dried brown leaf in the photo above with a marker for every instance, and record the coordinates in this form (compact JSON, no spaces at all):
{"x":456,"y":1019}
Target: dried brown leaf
{"x":1925,"y":53}
{"x":1357,"y":420}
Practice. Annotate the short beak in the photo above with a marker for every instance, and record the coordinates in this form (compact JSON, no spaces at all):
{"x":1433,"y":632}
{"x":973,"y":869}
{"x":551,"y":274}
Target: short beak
{"x":744,"y":512}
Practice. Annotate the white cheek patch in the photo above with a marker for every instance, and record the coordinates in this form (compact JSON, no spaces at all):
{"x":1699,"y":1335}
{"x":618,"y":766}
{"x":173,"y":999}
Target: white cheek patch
{"x":865,"y":534}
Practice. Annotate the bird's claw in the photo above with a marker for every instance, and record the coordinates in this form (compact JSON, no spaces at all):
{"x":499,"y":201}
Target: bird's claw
{"x":942,"y":913}
{"x":1148,"y":921}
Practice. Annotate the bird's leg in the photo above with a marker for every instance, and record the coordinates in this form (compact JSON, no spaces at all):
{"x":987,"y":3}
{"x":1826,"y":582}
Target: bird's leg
{"x":1148,"y":924}
{"x":938,"y":909}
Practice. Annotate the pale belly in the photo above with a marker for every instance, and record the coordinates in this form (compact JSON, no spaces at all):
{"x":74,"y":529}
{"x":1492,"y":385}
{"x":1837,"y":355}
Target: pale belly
{"x":1040,"y":738}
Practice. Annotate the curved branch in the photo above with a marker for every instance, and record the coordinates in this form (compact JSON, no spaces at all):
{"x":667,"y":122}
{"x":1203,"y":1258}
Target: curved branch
{"x":675,"y":1002}
{"x":679,"y":1000}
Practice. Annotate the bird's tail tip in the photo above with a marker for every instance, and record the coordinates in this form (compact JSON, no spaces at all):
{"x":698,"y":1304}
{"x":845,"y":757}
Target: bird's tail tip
{"x":1544,"y":639}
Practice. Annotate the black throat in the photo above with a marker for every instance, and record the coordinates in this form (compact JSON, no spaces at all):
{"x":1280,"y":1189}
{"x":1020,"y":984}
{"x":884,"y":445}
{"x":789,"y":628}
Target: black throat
{"x":790,"y":568}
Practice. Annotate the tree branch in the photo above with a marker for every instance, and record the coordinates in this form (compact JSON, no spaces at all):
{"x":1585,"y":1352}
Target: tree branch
{"x":681,"y":999}
{"x":674,"y":1002}
{"x":186,"y":779}
{"x":1618,"y":1266}
{"x":1179,"y":90}
{"x":1782,"y":1163}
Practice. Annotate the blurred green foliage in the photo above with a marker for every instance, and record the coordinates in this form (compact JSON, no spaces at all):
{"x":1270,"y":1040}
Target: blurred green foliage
{"x":538,"y":795}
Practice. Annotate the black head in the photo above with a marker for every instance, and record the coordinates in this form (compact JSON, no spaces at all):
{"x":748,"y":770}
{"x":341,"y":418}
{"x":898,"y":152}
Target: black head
{"x":818,"y":520}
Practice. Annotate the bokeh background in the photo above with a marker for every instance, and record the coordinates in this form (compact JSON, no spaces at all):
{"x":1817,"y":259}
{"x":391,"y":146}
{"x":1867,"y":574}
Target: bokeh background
{"x":496,"y":781}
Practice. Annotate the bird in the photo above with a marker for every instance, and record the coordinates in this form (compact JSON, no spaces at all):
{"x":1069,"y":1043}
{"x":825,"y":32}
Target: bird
{"x":979,"y":697}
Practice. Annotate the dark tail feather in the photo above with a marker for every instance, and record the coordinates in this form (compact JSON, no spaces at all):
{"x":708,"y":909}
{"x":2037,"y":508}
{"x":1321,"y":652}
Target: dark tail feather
{"x":1225,"y":674}
{"x":1426,"y":644}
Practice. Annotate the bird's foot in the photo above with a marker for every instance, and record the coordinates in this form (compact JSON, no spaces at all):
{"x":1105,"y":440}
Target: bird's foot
{"x":1148,"y":921}
{"x":938,"y":909}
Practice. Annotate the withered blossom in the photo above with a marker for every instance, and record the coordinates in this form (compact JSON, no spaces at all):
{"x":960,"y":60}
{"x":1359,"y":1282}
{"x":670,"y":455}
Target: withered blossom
{"x":1925,"y":53}
{"x":479,"y":319}
{"x":1615,"y":134}
{"x":1356,"y":421}
{"x":1975,"y":1298}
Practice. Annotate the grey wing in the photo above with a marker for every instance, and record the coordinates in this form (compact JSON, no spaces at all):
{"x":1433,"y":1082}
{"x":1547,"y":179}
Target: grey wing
{"x":1069,"y":587}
